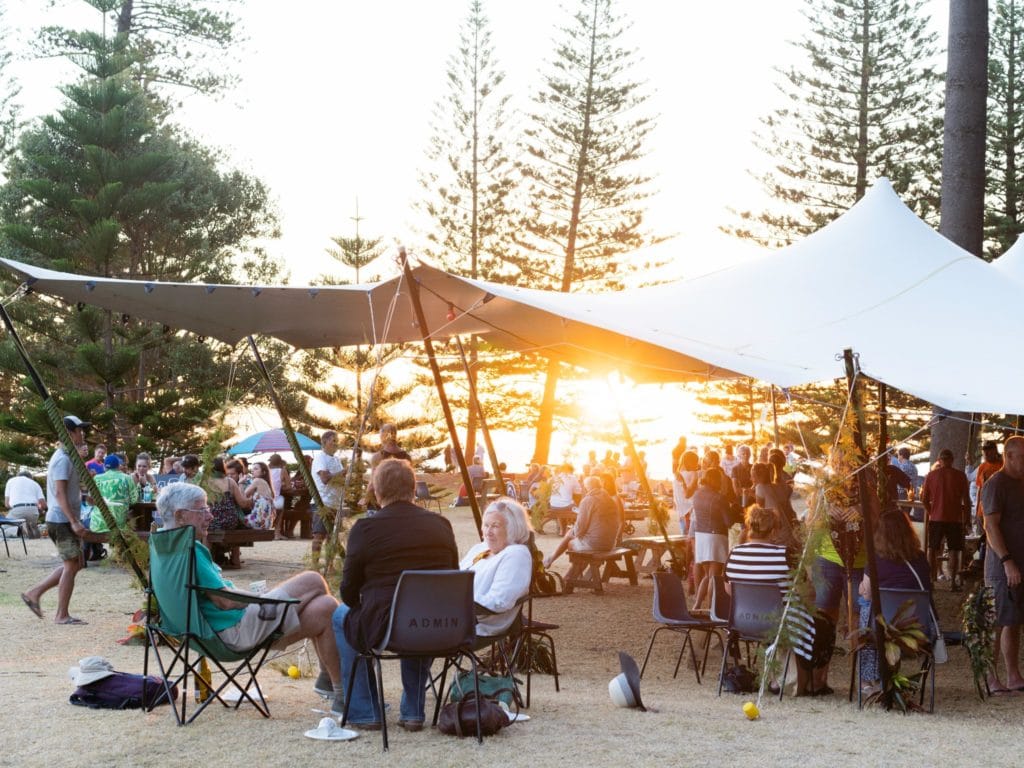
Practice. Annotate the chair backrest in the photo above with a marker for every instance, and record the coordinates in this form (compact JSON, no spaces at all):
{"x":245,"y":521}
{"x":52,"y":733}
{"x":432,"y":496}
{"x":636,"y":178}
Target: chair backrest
{"x":894,"y":599}
{"x":172,"y":567}
{"x":721,"y":602}
{"x":422,"y":489}
{"x":432,"y":613}
{"x":669,"y":598}
{"x":756,"y":609}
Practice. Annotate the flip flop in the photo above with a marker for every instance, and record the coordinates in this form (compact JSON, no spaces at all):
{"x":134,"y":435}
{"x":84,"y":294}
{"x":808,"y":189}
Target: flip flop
{"x":72,"y":620}
{"x":33,"y":606}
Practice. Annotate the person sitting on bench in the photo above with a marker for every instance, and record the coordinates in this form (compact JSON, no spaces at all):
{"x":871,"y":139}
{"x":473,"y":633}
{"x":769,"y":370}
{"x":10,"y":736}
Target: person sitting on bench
{"x":597,"y":523}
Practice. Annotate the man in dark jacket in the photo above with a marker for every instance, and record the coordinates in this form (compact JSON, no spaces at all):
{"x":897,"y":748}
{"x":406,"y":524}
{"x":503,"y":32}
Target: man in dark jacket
{"x":400,"y":537}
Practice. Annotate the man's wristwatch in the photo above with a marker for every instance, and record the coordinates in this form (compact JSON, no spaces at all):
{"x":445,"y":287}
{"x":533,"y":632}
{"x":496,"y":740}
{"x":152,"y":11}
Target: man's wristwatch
{"x":1006,"y":557}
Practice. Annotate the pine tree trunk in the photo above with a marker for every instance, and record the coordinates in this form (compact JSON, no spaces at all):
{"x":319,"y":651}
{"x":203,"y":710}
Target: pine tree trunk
{"x":963,"y":164}
{"x":545,"y":422}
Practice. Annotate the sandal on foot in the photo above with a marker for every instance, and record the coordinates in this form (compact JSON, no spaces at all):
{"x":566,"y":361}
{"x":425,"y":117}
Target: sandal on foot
{"x":72,"y":620}
{"x":32,"y":605}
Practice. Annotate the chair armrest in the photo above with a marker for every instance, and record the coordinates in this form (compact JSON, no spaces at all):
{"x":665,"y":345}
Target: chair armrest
{"x":243,"y":597}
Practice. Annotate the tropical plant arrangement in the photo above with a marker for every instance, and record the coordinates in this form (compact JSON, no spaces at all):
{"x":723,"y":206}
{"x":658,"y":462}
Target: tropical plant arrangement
{"x":978,"y":633}
{"x":904,"y":639}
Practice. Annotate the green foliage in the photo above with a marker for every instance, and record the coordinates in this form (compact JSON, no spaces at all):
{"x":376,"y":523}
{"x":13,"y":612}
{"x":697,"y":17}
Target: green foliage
{"x":585,"y":207}
{"x":904,"y":639}
{"x":865,"y":105}
{"x":10,"y":122}
{"x":106,"y":187}
{"x":1004,"y":207}
{"x":979,"y":629}
{"x":469,"y":182}
{"x":171,"y":44}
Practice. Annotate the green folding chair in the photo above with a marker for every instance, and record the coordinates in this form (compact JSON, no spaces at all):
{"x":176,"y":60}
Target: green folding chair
{"x":173,"y":619}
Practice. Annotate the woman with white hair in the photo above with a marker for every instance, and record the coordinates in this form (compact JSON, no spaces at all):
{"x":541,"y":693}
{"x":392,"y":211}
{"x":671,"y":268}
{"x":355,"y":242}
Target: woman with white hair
{"x":502,"y":563}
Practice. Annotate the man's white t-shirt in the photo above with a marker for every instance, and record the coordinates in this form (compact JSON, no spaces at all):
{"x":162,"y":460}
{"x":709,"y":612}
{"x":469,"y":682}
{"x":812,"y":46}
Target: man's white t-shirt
{"x":22,"y":490}
{"x":329,"y":492}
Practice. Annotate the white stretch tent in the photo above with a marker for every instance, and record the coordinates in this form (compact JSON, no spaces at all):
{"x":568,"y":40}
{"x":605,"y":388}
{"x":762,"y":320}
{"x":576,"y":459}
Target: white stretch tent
{"x":916,"y":308}
{"x":1011,"y":263}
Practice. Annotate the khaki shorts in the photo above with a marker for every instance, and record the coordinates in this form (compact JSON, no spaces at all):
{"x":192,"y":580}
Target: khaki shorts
{"x":69,"y":546}
{"x":259,"y":621}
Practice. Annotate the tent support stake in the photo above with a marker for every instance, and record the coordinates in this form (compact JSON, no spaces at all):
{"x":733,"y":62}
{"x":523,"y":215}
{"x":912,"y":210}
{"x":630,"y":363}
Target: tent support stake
{"x":866,"y":508}
{"x":473,"y":396}
{"x":428,"y":346}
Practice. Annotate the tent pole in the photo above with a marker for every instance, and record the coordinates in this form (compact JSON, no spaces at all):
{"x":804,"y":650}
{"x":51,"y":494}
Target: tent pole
{"x":867,"y":511}
{"x":428,"y":346}
{"x":124,"y":539}
{"x":883,"y":446}
{"x":775,"y":418}
{"x":473,"y":396}
{"x":656,"y":510}
{"x":286,"y":425}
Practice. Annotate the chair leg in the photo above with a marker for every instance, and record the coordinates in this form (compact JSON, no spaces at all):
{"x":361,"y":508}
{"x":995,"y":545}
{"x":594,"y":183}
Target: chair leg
{"x":650,"y":645}
{"x":785,"y":674}
{"x":3,"y":533}
{"x":725,"y":656}
{"x":380,"y":701}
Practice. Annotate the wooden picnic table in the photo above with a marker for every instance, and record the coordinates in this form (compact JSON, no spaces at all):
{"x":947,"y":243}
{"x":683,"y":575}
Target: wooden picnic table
{"x":651,"y":549}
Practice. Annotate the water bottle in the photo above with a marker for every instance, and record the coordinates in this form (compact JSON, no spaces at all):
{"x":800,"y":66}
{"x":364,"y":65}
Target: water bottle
{"x":147,"y":492}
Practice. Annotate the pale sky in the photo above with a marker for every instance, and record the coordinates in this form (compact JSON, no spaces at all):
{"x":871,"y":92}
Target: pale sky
{"x":336,"y":98}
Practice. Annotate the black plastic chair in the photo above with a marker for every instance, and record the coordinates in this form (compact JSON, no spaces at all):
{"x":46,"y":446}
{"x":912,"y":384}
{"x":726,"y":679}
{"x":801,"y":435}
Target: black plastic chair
{"x":19,"y":529}
{"x":754,"y":616}
{"x":670,"y":611}
{"x":182,"y":629}
{"x":424,"y":495}
{"x":432,"y":616}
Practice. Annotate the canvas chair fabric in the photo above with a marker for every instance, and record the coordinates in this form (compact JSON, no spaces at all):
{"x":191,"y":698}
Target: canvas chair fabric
{"x":187,"y":636}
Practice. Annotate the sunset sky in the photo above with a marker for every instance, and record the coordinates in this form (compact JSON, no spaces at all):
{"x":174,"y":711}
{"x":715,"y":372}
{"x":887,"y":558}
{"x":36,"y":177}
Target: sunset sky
{"x":336,"y":98}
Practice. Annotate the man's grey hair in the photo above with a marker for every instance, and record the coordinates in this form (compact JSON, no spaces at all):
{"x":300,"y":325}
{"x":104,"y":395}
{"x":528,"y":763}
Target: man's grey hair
{"x":177,"y":496}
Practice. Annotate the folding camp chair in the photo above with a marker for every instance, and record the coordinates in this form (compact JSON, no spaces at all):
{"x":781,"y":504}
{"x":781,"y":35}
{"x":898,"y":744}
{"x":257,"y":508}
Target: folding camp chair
{"x":671,"y":613}
{"x":181,"y":626}
{"x":19,"y":529}
{"x":753,"y":618}
{"x":432,"y":616}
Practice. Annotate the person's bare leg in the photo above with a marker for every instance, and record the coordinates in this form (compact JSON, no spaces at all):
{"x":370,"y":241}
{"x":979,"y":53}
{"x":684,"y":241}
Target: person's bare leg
{"x":44,"y":586}
{"x":933,"y":564}
{"x":995,"y":685}
{"x":315,"y":610}
{"x":702,"y":584}
{"x":559,"y":550}
{"x":65,"y":587}
{"x":954,"y":569}
{"x":1011,"y":651}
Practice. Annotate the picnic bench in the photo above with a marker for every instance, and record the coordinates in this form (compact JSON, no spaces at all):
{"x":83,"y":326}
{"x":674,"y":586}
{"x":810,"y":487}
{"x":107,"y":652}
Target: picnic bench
{"x":651,"y":549}
{"x":585,"y":569}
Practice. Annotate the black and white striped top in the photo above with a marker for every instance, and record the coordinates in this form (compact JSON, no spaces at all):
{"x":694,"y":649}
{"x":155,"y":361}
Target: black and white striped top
{"x":762,"y":562}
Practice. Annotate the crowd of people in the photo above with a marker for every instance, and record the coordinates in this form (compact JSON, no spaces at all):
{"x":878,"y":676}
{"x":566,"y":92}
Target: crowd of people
{"x":737,"y":517}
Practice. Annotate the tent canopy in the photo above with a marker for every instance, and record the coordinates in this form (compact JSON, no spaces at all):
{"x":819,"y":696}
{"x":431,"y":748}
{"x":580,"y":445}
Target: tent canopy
{"x":877,"y":280}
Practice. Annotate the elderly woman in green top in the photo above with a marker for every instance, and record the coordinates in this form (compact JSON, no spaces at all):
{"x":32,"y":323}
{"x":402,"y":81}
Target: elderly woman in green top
{"x":241,"y":625}
{"x":119,"y":491}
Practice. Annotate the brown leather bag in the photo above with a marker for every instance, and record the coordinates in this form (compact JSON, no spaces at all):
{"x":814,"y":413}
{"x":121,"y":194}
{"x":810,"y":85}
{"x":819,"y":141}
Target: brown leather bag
{"x":458,"y":718}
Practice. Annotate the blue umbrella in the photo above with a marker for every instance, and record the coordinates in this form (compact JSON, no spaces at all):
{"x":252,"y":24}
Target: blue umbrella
{"x":270,"y":441}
